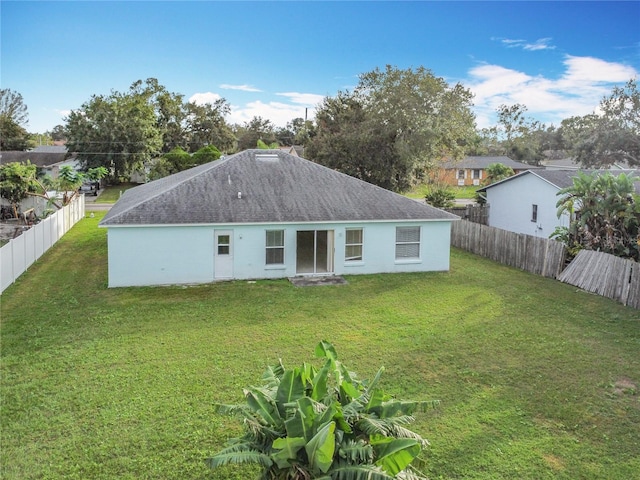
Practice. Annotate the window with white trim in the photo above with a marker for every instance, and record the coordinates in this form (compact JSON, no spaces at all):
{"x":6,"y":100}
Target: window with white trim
{"x":534,"y":213}
{"x":407,"y":243}
{"x":353,"y":245}
{"x":461,"y":174}
{"x":275,"y":247}
{"x":476,"y":174}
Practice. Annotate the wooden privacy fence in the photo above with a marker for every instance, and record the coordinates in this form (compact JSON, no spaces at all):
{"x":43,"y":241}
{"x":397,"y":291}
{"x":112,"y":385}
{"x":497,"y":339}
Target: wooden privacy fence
{"x":534,"y":254}
{"x":21,"y":252}
{"x":473,"y":213}
{"x":607,"y":275}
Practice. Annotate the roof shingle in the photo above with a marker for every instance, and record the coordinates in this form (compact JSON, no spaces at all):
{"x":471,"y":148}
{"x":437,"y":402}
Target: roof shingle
{"x":263,"y":186}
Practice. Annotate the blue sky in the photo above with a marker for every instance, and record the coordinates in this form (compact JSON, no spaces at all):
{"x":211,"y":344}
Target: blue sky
{"x":274,"y":59}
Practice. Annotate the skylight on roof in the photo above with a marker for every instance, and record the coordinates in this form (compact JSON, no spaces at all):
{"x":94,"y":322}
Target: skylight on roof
{"x":267,"y":157}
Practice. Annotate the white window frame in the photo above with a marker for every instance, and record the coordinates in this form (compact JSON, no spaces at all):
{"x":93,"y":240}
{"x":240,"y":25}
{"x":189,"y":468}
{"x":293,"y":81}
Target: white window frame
{"x":269,"y":248}
{"x":479,"y":173}
{"x":402,"y":243}
{"x":534,"y":212}
{"x":360,"y":244}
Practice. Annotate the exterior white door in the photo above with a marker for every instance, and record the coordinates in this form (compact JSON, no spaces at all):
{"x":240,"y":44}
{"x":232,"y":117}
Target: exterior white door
{"x":223,"y":261}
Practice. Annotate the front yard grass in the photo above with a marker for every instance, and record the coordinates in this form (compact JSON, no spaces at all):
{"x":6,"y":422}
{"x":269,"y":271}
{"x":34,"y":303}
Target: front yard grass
{"x":467,"y":192}
{"x":111,"y":193}
{"x":536,"y":379}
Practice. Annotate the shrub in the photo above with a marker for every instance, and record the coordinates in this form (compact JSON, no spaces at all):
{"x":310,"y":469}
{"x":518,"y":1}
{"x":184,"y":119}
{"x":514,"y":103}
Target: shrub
{"x":440,"y":197}
{"x":305,"y":423}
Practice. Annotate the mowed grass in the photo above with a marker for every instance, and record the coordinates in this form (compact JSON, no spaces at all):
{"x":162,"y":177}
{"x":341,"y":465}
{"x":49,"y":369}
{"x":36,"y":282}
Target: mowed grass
{"x":536,"y":379}
{"x":111,"y":193}
{"x":467,"y":192}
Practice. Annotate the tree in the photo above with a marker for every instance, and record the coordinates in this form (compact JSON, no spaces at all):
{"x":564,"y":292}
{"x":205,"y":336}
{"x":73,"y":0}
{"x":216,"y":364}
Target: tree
{"x":305,"y":423}
{"x":256,"y":129}
{"x":205,"y":125}
{"x":604,"y":214}
{"x":406,"y":121}
{"x":518,"y":136}
{"x":496,"y":172}
{"x":609,"y":136}
{"x":58,"y":133}
{"x":17,"y":180}
{"x":205,"y":155}
{"x":13,"y":119}
{"x":119,"y":132}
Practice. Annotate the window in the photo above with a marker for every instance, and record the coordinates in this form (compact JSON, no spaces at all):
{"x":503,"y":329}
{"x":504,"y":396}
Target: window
{"x":407,"y":242}
{"x":534,"y":213}
{"x":353,"y":245}
{"x":461,"y":175}
{"x":224,"y":244}
{"x":275,"y":247}
{"x":476,"y":174}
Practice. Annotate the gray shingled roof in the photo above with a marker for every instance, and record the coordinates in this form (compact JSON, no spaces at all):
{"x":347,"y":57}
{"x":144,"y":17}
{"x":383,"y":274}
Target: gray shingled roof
{"x":41,"y":159}
{"x":563,"y":178}
{"x":274,"y":187}
{"x":484,"y":161}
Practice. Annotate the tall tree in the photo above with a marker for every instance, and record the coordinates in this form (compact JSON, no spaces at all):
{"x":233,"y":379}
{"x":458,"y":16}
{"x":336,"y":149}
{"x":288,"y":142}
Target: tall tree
{"x":13,"y":120}
{"x":256,"y":129}
{"x":394,"y":126}
{"x":119,"y":132}
{"x":610,"y":135}
{"x":206,"y":125}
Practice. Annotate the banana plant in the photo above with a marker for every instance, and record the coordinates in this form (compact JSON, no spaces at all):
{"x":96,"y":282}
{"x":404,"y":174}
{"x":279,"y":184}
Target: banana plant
{"x":325,"y":424}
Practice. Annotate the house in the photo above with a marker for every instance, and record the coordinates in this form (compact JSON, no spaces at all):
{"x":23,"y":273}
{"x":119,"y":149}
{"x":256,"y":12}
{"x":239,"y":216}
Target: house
{"x":526,"y":202}
{"x":472,"y":170}
{"x":48,"y":159}
{"x":268,"y":214}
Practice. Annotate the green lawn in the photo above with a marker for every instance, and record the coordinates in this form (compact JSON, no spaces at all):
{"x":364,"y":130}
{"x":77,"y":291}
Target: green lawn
{"x":536,"y":379}
{"x":111,"y":193}
{"x":466,"y":192}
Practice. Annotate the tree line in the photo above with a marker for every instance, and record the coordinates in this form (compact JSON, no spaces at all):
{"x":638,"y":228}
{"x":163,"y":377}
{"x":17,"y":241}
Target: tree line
{"x":391,"y":130}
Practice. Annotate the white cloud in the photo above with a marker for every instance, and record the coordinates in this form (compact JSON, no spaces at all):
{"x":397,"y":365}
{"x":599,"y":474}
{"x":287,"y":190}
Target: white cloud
{"x":278,"y":113}
{"x":202,"y":98}
{"x":308,"y":99}
{"x":63,"y":113}
{"x":578,"y":91}
{"x":540,"y":44}
{"x":244,"y":88}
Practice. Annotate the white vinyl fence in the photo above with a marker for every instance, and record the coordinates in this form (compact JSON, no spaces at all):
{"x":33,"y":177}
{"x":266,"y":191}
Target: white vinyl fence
{"x":21,"y":252}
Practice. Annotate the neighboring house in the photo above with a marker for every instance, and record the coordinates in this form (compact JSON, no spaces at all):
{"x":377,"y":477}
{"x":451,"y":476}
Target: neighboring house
{"x":526,"y":203}
{"x":268,"y":214}
{"x":570,"y":164}
{"x":472,"y":170}
{"x":48,"y":159}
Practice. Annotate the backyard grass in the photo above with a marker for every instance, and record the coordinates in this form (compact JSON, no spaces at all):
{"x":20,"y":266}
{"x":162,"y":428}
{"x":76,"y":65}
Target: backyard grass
{"x":536,"y":379}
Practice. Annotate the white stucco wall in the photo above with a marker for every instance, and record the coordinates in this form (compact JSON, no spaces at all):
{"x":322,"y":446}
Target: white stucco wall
{"x":510,"y":206}
{"x":185,"y":254}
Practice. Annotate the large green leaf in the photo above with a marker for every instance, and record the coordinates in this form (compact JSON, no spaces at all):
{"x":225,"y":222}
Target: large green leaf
{"x":301,"y":424}
{"x":394,"y":454}
{"x":291,"y":388}
{"x":264,"y":406}
{"x":319,"y":382}
{"x":326,"y":349}
{"x":289,"y":448}
{"x":321,"y":448}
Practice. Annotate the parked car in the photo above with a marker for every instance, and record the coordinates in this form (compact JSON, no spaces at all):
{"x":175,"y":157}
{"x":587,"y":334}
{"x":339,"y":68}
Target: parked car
{"x":90,"y":188}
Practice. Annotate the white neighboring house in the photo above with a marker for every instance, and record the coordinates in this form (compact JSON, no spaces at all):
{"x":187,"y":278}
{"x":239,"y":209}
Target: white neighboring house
{"x":268,"y":214}
{"x":526,"y":202}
